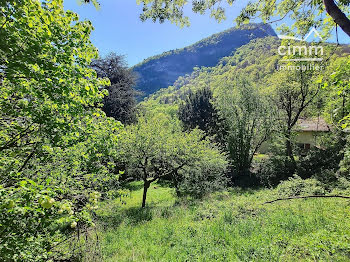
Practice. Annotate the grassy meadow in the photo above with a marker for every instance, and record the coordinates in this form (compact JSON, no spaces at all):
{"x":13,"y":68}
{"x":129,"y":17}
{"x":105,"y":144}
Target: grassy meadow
{"x":233,"y":225}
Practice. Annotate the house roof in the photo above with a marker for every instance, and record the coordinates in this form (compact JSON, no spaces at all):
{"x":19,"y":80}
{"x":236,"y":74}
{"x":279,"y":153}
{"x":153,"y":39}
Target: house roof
{"x":314,"y":124}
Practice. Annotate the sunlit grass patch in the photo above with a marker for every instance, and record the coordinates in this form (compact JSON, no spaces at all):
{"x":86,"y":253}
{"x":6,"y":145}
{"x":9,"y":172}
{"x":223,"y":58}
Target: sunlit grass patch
{"x":226,"y":226}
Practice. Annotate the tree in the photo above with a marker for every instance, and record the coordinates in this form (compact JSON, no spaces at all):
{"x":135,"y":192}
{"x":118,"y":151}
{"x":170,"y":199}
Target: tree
{"x":198,"y":111}
{"x":249,"y":120}
{"x":337,"y":14}
{"x":120,"y":102}
{"x":338,"y":85}
{"x":306,"y":14}
{"x":46,"y":81}
{"x":56,"y":147}
{"x":155,"y":148}
{"x":293,"y":92}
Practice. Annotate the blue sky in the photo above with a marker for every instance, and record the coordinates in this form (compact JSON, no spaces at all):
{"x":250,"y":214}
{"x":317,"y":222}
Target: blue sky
{"x":118,"y":29}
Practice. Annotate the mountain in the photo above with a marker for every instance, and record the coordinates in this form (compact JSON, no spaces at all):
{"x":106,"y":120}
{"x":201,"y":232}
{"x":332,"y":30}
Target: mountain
{"x":258,"y":60}
{"x":162,"y":70}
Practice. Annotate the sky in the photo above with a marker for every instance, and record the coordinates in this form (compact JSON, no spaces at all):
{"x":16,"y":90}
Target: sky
{"x":118,"y":29}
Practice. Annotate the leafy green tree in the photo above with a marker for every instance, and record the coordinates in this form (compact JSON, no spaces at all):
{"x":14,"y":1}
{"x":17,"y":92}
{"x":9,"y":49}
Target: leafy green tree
{"x":155,"y":147}
{"x":306,"y":14}
{"x":57,"y":149}
{"x":120,"y":102}
{"x":57,"y":193}
{"x":46,"y":81}
{"x":293,"y":92}
{"x":338,"y":86}
{"x":338,"y":104}
{"x":249,"y":120}
{"x":198,"y":111}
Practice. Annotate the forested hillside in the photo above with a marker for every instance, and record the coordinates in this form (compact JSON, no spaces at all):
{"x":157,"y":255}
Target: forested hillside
{"x":258,"y":59}
{"x":161,"y":71}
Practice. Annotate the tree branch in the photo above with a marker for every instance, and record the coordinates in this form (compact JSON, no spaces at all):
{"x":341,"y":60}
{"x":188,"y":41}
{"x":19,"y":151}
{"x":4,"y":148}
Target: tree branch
{"x":16,"y":138}
{"x":338,"y":16}
{"x":302,"y":197}
{"x":28,"y":158}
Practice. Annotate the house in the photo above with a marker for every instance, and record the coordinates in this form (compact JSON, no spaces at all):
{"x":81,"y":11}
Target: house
{"x":307,"y":131}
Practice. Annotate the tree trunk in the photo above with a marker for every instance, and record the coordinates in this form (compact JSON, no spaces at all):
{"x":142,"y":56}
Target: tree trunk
{"x":176,"y":185}
{"x":338,"y":16}
{"x":343,"y":111}
{"x":289,"y":148}
{"x":146,"y":185}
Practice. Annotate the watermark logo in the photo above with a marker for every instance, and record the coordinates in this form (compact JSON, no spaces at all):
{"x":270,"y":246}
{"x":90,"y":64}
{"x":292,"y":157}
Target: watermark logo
{"x":301,"y":50}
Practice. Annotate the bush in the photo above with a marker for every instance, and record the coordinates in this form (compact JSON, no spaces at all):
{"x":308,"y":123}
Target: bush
{"x":344,"y":169}
{"x":319,"y":159}
{"x":328,"y":178}
{"x":296,"y":186}
{"x":206,"y":176}
{"x":343,"y":186}
{"x":319,"y":163}
{"x":246,"y":179}
{"x":274,"y":170}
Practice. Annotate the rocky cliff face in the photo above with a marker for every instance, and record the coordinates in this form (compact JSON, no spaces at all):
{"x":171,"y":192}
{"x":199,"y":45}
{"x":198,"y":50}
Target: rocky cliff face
{"x":162,"y":70}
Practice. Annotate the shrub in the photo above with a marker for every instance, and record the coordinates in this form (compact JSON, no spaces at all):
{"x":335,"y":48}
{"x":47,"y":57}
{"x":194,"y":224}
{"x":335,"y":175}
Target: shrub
{"x":319,"y":163}
{"x":343,"y":185}
{"x":344,"y":169}
{"x":320,"y":159}
{"x":274,"y":170}
{"x":328,"y":178}
{"x":296,"y":186}
{"x":206,"y":175}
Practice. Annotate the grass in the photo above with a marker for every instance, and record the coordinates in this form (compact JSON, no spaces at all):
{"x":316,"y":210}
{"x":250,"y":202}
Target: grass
{"x":226,"y":226}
